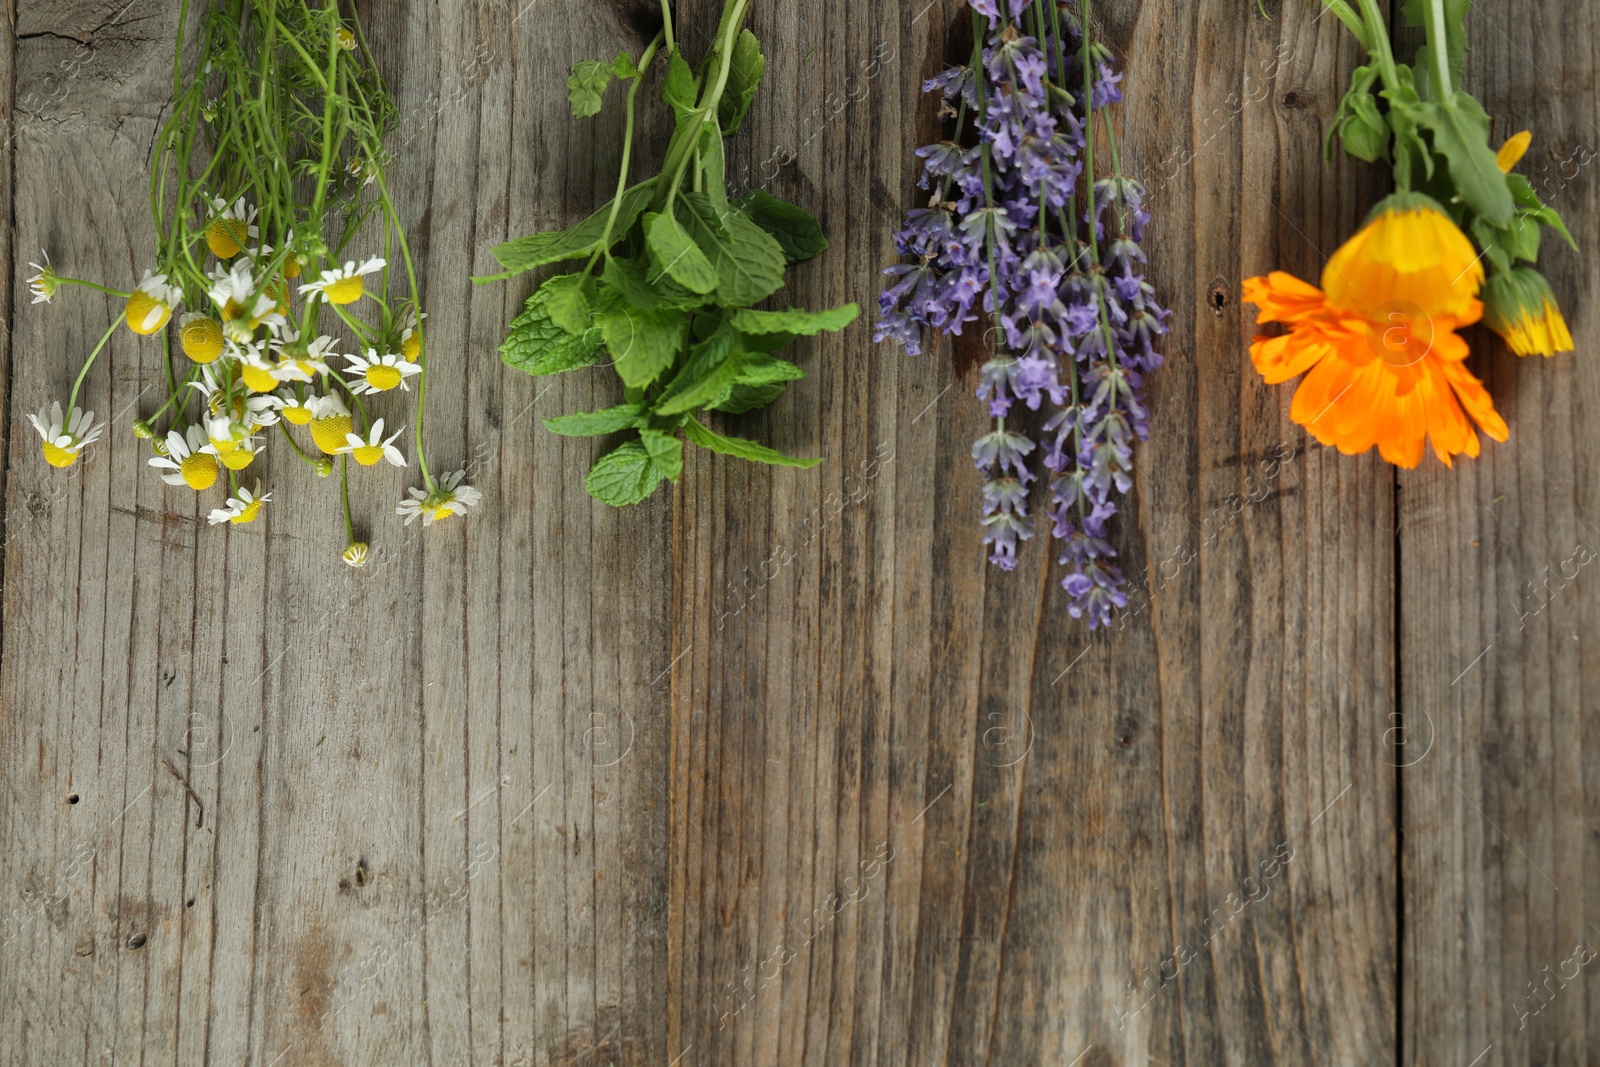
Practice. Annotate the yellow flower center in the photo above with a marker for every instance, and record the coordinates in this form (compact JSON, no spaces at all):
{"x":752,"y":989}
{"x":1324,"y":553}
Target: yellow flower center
{"x":146,"y":314}
{"x":329,"y":433}
{"x":224,"y":445}
{"x":57,"y":456}
{"x":279,"y":291}
{"x":383,"y":377}
{"x":226,"y":237}
{"x":345,"y":290}
{"x":248,"y":513}
{"x":201,"y":340}
{"x":367,"y":455}
{"x":439,"y":508}
{"x":258,"y":379}
{"x":237,"y":459}
{"x":346,"y":39}
{"x":297,"y":415}
{"x":199,"y":471}
{"x":411,"y":347}
{"x":291,"y":267}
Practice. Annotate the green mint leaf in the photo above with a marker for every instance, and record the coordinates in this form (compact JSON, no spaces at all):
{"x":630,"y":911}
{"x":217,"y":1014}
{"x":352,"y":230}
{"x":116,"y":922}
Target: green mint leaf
{"x":585,"y":87}
{"x":803,"y":323}
{"x":714,"y":163}
{"x":623,"y":66}
{"x":673,"y":252}
{"x":761,"y":369}
{"x":707,"y":375}
{"x":665,"y":451}
{"x":643,"y":341}
{"x":744,"y":75}
{"x":593,"y":424}
{"x":1461,"y":134}
{"x":623,"y":476}
{"x":797,"y":233}
{"x":640,"y":284}
{"x":535,"y":343}
{"x":738,"y":446}
{"x":680,"y":90}
{"x":553,"y":246}
{"x":742,"y":398}
{"x":749,"y":261}
{"x":567,"y":304}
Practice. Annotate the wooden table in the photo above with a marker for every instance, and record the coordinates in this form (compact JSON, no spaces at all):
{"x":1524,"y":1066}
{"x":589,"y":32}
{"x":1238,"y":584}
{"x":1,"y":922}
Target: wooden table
{"x":774,"y":769}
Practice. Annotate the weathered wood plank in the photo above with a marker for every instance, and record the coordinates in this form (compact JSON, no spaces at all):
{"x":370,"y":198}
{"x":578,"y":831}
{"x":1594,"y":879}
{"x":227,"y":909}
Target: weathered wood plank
{"x":1063,"y":811}
{"x":1498,"y":642}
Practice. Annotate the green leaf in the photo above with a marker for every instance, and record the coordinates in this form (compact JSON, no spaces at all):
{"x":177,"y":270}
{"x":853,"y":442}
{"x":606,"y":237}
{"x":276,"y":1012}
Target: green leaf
{"x":793,"y":321}
{"x":714,"y":163}
{"x":1522,"y":192}
{"x":665,"y":451}
{"x":742,"y":398}
{"x":623,"y":476}
{"x":707,"y":375}
{"x":738,"y":446}
{"x":674,"y":253}
{"x":749,"y":262}
{"x":760,"y":369}
{"x":637,"y":283}
{"x":593,"y":424}
{"x":585,"y":87}
{"x":535,"y":343}
{"x":567,"y":304}
{"x":643,"y":341}
{"x":1461,"y":134}
{"x":553,"y":246}
{"x":797,"y":233}
{"x":680,"y":89}
{"x":744,"y":75}
{"x":623,"y":66}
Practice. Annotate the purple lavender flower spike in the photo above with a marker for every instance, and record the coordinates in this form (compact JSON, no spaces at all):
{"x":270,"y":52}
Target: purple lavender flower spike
{"x":1027,"y":229}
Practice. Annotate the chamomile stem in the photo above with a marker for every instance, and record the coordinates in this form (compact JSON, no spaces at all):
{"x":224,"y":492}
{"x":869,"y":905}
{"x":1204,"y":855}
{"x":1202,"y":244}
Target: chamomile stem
{"x":295,"y":445}
{"x":344,"y":491}
{"x":73,"y":399}
{"x":93,"y":285}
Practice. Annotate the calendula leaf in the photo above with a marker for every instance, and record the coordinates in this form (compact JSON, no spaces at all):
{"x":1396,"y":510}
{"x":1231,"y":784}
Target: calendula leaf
{"x":793,"y":321}
{"x":535,"y":343}
{"x":593,"y":424}
{"x":553,"y":246}
{"x":1522,"y":192}
{"x":1461,"y":134}
{"x":743,"y":78}
{"x":797,"y":233}
{"x":642,"y":341}
{"x":665,"y":451}
{"x":742,"y":448}
{"x":742,"y":398}
{"x":674,"y":253}
{"x":585,"y":87}
{"x":707,"y":375}
{"x":623,"y":476}
{"x":567,"y":304}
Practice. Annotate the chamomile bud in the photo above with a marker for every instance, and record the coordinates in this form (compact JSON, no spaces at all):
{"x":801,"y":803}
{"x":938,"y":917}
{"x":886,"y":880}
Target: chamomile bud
{"x":324,"y":467}
{"x":346,"y":39}
{"x":143,"y":430}
{"x":355,"y":554}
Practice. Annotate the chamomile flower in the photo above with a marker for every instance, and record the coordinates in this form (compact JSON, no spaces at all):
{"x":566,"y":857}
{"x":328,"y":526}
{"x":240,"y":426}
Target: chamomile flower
{"x":302,"y":363}
{"x":346,"y":39}
{"x":187,"y":460}
{"x":200,"y":337}
{"x":230,"y":228}
{"x":64,"y":439}
{"x":258,"y":373}
{"x":241,"y":455}
{"x":343,"y":285}
{"x":355,"y":554}
{"x":240,"y":509}
{"x":297,"y":412}
{"x":379,"y":374}
{"x":221,"y":436}
{"x":43,"y":285}
{"x":330,"y":423}
{"x":364,"y":169}
{"x":152,"y":303}
{"x":411,"y":334}
{"x":449,"y":497}
{"x":243,"y":309}
{"x":374,"y":447}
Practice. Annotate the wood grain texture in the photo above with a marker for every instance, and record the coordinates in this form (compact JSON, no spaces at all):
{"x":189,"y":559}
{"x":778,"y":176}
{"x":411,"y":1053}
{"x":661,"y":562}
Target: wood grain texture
{"x":774,"y":769}
{"x":1500,"y":646}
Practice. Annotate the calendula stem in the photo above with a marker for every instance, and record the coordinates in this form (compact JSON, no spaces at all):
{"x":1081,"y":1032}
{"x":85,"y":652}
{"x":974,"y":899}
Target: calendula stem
{"x":1377,"y":44}
{"x":1345,"y":14}
{"x":1438,"y":40}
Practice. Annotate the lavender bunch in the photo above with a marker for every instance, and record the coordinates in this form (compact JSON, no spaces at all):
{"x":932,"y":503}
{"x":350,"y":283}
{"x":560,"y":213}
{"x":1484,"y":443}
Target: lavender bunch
{"x":1019,"y":231}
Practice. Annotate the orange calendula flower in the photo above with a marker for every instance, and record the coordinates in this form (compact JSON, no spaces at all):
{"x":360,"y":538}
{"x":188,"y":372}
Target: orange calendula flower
{"x":1513,"y":150}
{"x":1377,"y":344}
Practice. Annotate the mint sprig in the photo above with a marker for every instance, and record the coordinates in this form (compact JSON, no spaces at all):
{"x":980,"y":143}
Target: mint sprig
{"x":672,"y":275}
